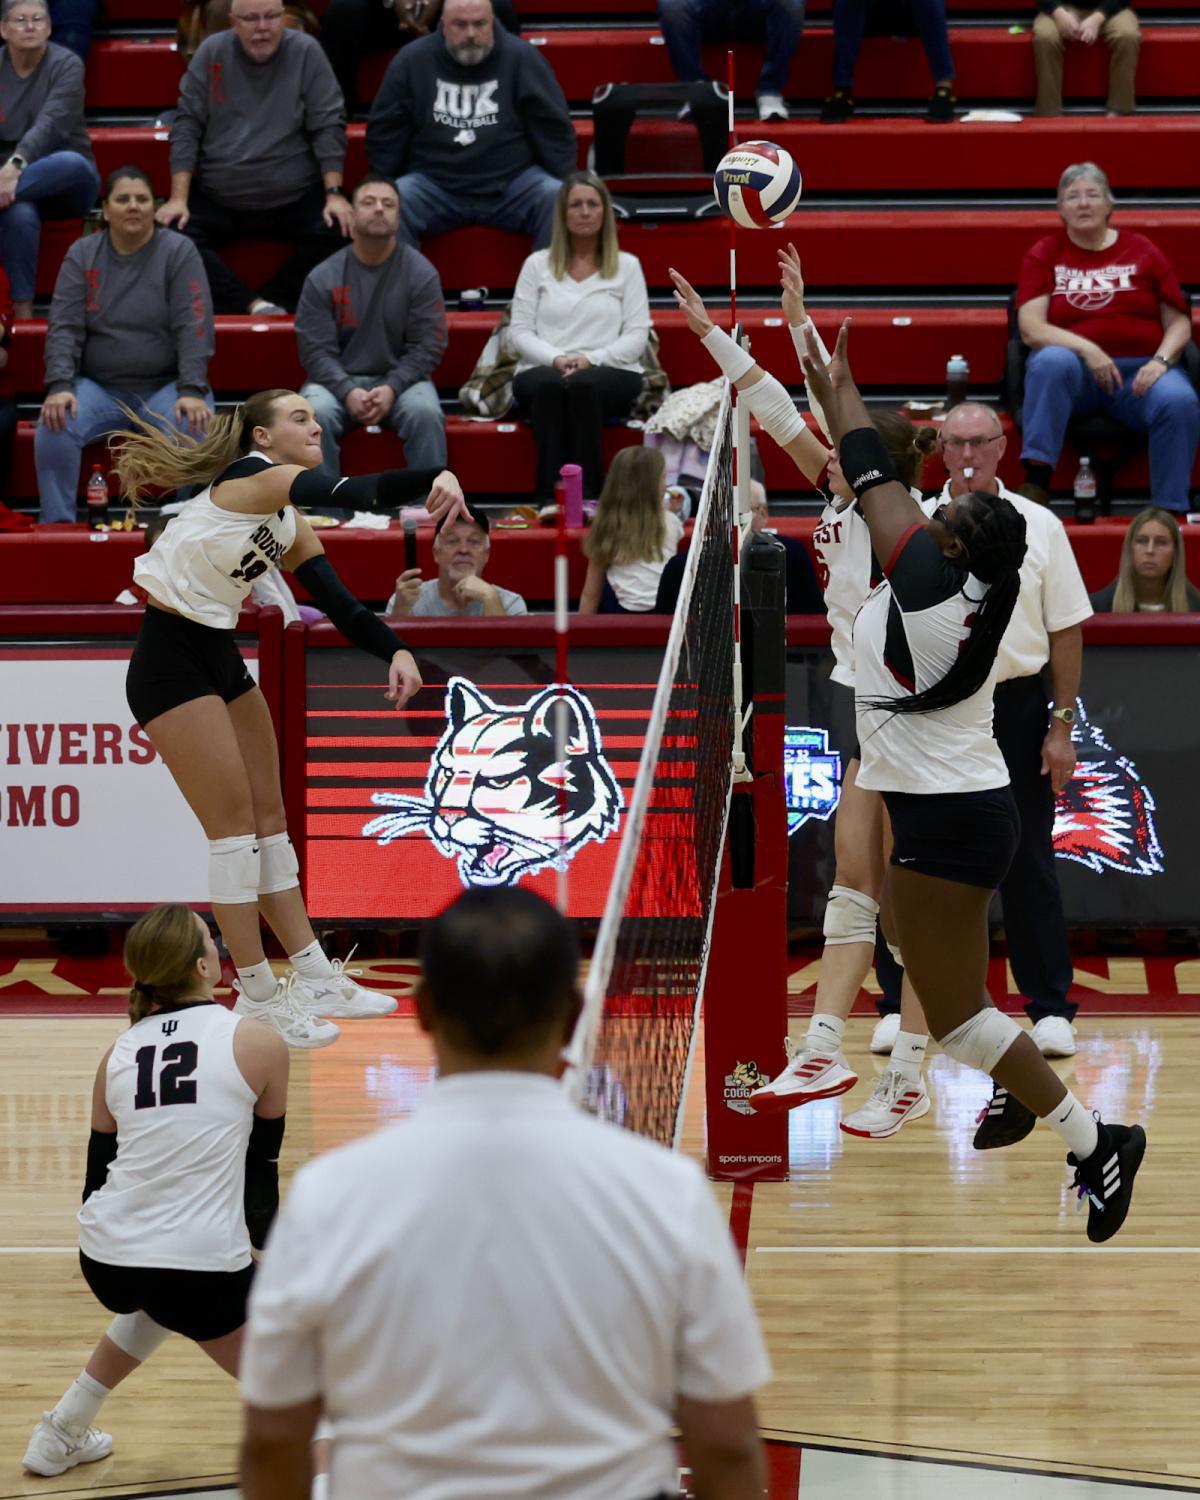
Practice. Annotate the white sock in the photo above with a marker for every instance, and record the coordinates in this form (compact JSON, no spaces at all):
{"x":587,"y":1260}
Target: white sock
{"x":908,"y":1054}
{"x":824,"y":1034}
{"x":1076,"y":1126}
{"x":311,"y":962}
{"x":79,"y":1405}
{"x":258,"y":983}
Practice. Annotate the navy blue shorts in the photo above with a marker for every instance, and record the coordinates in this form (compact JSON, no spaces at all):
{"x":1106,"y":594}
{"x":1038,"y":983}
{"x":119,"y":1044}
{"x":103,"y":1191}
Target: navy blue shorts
{"x":967,"y":837}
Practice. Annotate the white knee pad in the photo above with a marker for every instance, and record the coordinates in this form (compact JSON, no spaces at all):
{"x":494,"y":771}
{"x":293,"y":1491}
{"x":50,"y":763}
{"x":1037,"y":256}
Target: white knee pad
{"x":233,"y":866}
{"x":850,"y":917}
{"x":894,"y":950}
{"x":983,"y":1040}
{"x":137,"y":1334}
{"x":279,"y":869}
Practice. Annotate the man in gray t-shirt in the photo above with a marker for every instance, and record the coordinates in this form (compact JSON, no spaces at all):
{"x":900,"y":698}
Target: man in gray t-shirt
{"x":460,"y":550}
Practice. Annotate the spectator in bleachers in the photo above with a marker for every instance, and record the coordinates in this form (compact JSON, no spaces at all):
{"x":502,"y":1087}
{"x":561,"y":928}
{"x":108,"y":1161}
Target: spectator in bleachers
{"x":71,"y":25}
{"x":8,"y":405}
{"x":1107,"y":320}
{"x":580,"y":322}
{"x":258,"y":146}
{"x":371,"y":327}
{"x":352,"y":29}
{"x":634,"y":534}
{"x":1056,"y":24}
{"x":460,"y":549}
{"x":1153,"y":571}
{"x":474,"y":127}
{"x":778,"y":24}
{"x":49,"y":171}
{"x":130,"y":325}
{"x":849,"y":28}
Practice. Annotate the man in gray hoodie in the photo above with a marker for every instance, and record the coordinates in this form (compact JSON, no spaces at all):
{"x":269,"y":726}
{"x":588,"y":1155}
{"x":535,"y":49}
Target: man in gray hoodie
{"x":257,"y":151}
{"x":371,"y":327}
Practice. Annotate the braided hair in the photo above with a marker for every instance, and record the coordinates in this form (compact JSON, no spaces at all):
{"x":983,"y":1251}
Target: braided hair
{"x":992,"y":532}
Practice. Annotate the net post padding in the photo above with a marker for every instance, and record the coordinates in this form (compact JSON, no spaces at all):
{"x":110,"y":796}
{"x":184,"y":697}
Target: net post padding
{"x":631,"y":1052}
{"x":745,"y":991}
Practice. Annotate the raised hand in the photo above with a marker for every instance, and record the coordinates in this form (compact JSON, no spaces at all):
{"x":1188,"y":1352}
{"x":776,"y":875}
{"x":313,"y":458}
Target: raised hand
{"x":691,"y":302}
{"x":832,"y":384}
{"x":446,"y":499}
{"x":791,"y":278}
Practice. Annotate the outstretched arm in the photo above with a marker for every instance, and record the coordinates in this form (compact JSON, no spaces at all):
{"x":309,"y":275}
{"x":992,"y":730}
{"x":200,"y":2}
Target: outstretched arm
{"x":888,"y":508}
{"x":766,"y":398}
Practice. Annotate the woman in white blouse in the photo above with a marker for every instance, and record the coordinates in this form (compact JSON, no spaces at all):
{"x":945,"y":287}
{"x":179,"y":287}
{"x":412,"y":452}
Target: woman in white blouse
{"x":580,"y":321}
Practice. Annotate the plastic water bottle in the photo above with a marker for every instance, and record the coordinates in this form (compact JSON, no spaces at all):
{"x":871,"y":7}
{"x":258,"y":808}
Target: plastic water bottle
{"x":958,"y":373}
{"x":97,"y":497}
{"x":1085,"y":491}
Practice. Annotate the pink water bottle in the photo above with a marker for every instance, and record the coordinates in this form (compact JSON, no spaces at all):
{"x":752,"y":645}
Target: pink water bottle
{"x":572,"y":479}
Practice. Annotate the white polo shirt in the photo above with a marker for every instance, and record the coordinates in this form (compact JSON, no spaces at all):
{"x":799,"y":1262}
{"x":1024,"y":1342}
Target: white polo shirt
{"x":1053,"y":595}
{"x":501,"y":1296}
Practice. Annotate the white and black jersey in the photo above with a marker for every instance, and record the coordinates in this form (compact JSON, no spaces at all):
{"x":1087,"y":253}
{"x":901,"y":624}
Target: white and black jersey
{"x":906,"y":638}
{"x":174,"y":1197}
{"x":206,"y":561}
{"x":847,"y":573}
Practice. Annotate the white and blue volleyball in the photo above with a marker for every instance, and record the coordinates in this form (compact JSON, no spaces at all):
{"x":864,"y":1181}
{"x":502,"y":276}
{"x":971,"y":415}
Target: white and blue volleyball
{"x":758,"y":185}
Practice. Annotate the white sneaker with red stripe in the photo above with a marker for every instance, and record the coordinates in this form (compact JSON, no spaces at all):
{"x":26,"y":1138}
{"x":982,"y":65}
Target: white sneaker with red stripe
{"x":894,"y":1101}
{"x":808,"y":1076}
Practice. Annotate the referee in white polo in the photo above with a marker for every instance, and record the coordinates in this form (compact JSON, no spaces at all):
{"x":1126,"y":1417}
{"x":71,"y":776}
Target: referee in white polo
{"x":501,"y":1296}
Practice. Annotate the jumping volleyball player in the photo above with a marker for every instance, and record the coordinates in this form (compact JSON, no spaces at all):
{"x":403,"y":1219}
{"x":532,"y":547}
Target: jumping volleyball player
{"x":182,"y":1176}
{"x":190,"y":690}
{"x":925,"y":644}
{"x":817,"y":1068}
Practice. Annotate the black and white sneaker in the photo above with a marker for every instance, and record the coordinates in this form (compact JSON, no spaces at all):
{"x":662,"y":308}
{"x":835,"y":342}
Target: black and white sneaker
{"x":1003,"y":1121}
{"x":1106,"y":1178}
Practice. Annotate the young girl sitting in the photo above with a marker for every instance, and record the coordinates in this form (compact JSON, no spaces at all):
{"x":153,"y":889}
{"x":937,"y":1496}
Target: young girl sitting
{"x":635,"y":533}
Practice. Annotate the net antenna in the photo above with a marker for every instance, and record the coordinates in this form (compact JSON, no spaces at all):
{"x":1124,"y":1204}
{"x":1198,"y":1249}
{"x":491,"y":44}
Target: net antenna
{"x":631,"y":1054}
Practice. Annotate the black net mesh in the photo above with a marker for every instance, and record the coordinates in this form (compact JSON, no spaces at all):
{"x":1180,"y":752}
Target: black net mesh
{"x":657,"y":940}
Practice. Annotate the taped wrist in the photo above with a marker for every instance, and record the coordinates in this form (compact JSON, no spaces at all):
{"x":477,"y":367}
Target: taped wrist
{"x":814,"y":405}
{"x":865,"y":461}
{"x":101,"y":1153}
{"x":732,"y":360}
{"x":774,"y":408}
{"x":387,"y":489}
{"x":357,"y":623}
{"x":261,"y":1195}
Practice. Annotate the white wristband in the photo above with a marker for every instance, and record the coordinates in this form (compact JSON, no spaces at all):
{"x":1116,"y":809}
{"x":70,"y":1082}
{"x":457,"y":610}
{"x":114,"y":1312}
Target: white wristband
{"x":733,"y":362}
{"x":801,"y":350}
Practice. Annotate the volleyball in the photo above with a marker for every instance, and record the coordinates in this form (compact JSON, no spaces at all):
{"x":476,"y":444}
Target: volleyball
{"x":758,"y":184}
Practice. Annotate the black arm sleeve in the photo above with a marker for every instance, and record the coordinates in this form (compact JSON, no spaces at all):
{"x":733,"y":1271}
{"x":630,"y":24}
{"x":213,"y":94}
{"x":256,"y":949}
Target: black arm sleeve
{"x":261,"y":1197}
{"x":357,"y":623}
{"x":102,"y":1152}
{"x":385,"y":490}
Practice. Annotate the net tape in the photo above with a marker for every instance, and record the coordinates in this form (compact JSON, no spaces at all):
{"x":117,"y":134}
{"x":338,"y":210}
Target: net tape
{"x":632,"y":1049}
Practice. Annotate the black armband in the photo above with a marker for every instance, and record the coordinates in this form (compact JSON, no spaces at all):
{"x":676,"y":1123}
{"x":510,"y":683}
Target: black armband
{"x":261,"y":1196}
{"x":865,"y":461}
{"x":101,"y":1153}
{"x":356,"y":622}
{"x":386,"y":490}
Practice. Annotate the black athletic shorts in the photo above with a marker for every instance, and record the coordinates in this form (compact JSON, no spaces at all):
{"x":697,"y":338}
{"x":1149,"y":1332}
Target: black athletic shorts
{"x":176,"y":660}
{"x":200,"y":1305}
{"x":968,"y":837}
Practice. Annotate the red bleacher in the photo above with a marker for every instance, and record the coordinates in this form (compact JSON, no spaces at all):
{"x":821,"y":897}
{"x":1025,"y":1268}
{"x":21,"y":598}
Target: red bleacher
{"x":904,"y":265}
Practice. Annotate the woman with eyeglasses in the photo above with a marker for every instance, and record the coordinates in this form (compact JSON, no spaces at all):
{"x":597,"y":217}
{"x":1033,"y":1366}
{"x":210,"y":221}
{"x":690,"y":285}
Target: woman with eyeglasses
{"x":816,"y":1067}
{"x":926,"y":644}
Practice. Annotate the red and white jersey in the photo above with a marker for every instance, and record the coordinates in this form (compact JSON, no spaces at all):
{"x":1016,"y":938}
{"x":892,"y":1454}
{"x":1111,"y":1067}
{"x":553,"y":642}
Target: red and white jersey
{"x":174,"y":1195}
{"x":846,"y":572}
{"x":206,"y":561}
{"x":906,"y":638}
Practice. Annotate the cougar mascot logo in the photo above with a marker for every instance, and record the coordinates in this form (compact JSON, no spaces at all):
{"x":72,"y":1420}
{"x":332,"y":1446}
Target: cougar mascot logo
{"x":1104,"y":817}
{"x":497,"y":798}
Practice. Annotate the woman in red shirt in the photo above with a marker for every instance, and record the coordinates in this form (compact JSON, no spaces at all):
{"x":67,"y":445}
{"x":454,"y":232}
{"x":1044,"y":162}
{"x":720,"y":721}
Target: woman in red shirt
{"x":1104,"y":314}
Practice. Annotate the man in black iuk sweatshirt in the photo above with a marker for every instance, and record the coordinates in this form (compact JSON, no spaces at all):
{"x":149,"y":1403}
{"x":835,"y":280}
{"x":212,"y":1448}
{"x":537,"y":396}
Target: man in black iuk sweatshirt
{"x":258,"y":146}
{"x":474,"y":127}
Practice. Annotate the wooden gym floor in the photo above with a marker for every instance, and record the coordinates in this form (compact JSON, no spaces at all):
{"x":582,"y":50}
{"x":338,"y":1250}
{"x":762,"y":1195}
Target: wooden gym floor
{"x":938,"y":1324}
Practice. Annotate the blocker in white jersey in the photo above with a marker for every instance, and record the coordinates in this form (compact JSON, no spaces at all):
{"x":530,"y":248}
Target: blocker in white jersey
{"x":184,"y":1112}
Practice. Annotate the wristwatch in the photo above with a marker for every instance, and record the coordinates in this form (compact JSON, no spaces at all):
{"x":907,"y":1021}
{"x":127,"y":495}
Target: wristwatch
{"x":1067,"y":715}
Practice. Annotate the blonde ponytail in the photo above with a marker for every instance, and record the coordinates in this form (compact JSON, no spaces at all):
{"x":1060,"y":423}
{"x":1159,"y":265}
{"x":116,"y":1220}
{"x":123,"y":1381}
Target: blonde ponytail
{"x":161,"y":952}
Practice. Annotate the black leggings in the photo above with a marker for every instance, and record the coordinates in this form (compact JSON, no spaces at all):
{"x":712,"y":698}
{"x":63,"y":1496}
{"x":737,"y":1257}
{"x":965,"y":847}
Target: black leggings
{"x":568,"y":413}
